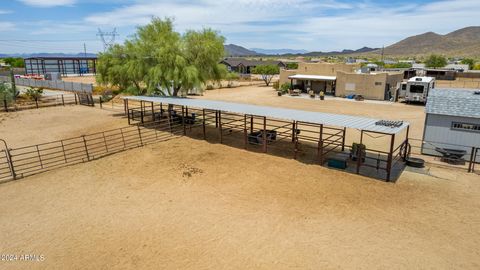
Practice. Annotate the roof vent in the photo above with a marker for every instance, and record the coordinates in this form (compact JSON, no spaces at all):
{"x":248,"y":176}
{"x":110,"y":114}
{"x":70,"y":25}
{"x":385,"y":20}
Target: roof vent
{"x":418,"y":79}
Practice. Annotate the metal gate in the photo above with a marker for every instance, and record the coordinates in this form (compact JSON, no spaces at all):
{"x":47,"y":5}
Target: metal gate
{"x":6,"y":169}
{"x":85,"y":98}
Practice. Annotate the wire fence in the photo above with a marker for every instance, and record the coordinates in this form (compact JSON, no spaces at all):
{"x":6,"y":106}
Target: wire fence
{"x":43,"y":101}
{"x":20,"y":162}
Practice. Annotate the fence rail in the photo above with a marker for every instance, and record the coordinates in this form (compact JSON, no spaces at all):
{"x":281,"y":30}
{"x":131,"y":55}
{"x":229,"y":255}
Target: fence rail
{"x":44,"y":101}
{"x":58,"y":85}
{"x":24,"y":161}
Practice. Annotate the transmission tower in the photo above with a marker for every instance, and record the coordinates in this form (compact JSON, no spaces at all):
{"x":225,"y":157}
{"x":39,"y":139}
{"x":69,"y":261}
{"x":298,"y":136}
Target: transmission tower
{"x":108,"y":38}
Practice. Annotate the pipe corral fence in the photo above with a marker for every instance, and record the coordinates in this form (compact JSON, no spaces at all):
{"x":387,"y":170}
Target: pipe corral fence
{"x":305,"y":141}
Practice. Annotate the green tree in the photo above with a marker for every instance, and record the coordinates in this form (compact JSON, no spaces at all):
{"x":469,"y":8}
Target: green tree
{"x":292,"y":65}
{"x":399,"y":65}
{"x":470,"y":62}
{"x":267,"y":72}
{"x":230,"y":77}
{"x":15,"y":62}
{"x":159,"y":60}
{"x":435,"y":61}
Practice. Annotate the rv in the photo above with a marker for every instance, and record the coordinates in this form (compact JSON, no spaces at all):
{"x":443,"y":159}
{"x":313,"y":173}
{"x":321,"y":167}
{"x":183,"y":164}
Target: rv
{"x":418,"y":89}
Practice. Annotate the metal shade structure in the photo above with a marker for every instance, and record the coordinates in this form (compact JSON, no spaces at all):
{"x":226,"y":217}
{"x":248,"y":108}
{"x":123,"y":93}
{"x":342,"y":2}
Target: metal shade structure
{"x":330,"y":119}
{"x":271,"y":127}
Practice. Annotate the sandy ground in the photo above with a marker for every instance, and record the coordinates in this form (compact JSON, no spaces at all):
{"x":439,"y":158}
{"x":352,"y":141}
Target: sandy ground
{"x":191,"y":204}
{"x":42,"y":125}
{"x":187,"y":204}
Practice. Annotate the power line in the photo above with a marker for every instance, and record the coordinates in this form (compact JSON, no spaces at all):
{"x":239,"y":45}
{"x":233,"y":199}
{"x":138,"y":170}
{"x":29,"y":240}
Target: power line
{"x":108,"y":38}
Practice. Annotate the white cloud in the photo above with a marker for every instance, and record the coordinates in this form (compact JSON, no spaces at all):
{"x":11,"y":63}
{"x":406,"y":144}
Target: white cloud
{"x":6,"y":26}
{"x":3,"y":11}
{"x":301,"y":24}
{"x":48,"y":3}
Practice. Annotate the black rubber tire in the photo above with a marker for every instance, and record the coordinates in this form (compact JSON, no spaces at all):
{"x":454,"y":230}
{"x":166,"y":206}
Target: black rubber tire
{"x":416,"y":162}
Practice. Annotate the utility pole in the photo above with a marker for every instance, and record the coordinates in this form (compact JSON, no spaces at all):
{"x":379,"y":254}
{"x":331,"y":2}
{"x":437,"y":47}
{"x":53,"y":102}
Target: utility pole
{"x":84,"y":50}
{"x":107,"y":43}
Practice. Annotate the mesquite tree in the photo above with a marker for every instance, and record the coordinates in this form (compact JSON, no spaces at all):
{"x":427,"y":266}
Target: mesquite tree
{"x":159,"y":60}
{"x":267,"y":72}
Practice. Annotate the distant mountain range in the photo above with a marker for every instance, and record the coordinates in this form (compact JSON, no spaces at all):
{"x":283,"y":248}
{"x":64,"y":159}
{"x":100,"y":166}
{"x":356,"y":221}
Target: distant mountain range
{"x":26,"y":55}
{"x":462,"y":42}
{"x":236,"y":50}
{"x":278,"y":51}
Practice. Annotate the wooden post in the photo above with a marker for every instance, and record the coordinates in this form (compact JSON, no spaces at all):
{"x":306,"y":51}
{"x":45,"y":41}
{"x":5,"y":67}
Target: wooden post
{"x":251,"y":123}
{"x":204,"y":130}
{"x":36,"y":102}
{"x":472,"y":157}
{"x":343,"y":139}
{"x":220,"y":125}
{"x":126,"y":100}
{"x":169,"y":119}
{"x":405,"y":153}
{"x":63,"y":101}
{"x":100,"y":99}
{"x":183,"y":121}
{"x":161,"y":110}
{"x":76,"y":100}
{"x":294,"y":131}
{"x":216,"y":119}
{"x":124,"y":106}
{"x":390,"y":157}
{"x":359,"y":153}
{"x":141,"y":112}
{"x":320,"y":146}
{"x":153,"y":113}
{"x":245,"y":132}
{"x":264,"y":135}
{"x":5,"y":105}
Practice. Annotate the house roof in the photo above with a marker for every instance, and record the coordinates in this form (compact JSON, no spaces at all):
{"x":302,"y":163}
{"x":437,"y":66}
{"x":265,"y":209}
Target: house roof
{"x":312,"y":77}
{"x":454,"y":102}
{"x":235,"y":62}
{"x":330,"y":119}
{"x":421,"y":79}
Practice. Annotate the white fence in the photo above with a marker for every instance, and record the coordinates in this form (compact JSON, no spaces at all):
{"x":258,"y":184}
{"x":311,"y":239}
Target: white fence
{"x":60,"y":85}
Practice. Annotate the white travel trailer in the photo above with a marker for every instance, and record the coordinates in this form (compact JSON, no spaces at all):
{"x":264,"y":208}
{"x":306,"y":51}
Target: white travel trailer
{"x":418,"y":88}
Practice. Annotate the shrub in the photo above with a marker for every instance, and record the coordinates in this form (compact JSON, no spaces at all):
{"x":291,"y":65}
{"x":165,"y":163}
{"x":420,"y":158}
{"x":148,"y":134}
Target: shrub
{"x":285,"y":87}
{"x":34,"y":93}
{"x":276,"y":85}
{"x":6,"y":92}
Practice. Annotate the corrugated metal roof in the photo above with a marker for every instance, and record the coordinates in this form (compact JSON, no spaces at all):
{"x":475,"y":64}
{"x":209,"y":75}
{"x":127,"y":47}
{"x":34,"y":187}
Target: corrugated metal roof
{"x":312,"y":77}
{"x":454,"y":102}
{"x":329,"y":119}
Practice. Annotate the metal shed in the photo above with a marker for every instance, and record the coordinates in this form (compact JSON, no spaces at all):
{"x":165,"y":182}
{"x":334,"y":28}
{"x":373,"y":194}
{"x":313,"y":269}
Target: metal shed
{"x":452,"y":121}
{"x":325,"y":131}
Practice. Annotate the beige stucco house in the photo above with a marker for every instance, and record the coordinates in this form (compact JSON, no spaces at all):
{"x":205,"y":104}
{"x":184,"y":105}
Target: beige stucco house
{"x":341,"y":79}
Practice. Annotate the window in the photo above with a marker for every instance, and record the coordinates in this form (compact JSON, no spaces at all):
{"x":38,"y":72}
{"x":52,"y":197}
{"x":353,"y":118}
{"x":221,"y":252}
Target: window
{"x":466,"y":126}
{"x":404,"y":87}
{"x":416,"y":88}
{"x":378,"y":83}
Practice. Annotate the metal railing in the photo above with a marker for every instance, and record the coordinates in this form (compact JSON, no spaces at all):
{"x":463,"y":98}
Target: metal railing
{"x":43,"y":101}
{"x":20,"y":162}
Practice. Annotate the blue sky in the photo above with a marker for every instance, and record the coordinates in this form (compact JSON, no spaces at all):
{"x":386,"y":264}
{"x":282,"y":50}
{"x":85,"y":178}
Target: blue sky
{"x":28,"y":26}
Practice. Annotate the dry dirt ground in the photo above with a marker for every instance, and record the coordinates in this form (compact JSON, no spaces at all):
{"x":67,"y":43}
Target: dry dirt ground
{"x":191,"y":204}
{"x":43,"y":125}
{"x":187,"y":204}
